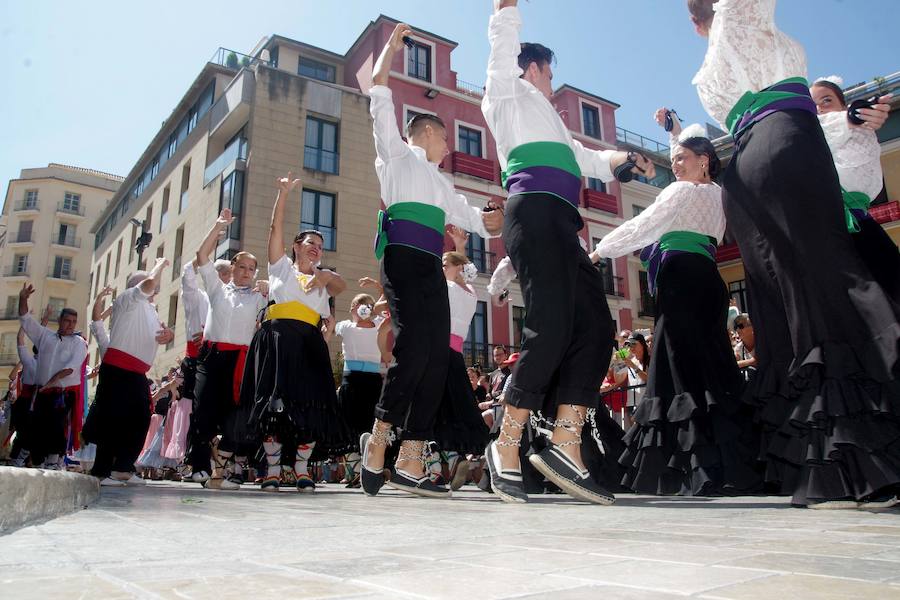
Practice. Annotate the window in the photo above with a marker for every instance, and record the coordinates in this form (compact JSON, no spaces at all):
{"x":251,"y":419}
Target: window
{"x":273,"y":57}
{"x":161,"y":251}
{"x":637,"y":209}
{"x":475,"y":348}
{"x":20,"y":264}
{"x":31,"y":199}
{"x":8,"y":353}
{"x":317,"y":70}
{"x":154,"y":168}
{"x":134,"y":234}
{"x":62,"y":267}
{"x":605,"y":266}
{"x":596,"y":185}
{"x":475,"y":252}
{"x":106,"y":270}
{"x":173,"y":317}
{"x":56,"y":306}
{"x":118,"y":258}
{"x":738,"y":292}
{"x":185,"y":184}
{"x":648,"y":308}
{"x":469,"y":141}
{"x":25,"y":230}
{"x":321,"y":151}
{"x":66,"y":235}
{"x":164,"y":212}
{"x":192,"y":119}
{"x":72,"y":202}
{"x":317,"y":212}
{"x":179,"y":248}
{"x":12,"y":307}
{"x":418,"y":63}
{"x":232,"y":196}
{"x":590,"y":121}
{"x":518,"y":319}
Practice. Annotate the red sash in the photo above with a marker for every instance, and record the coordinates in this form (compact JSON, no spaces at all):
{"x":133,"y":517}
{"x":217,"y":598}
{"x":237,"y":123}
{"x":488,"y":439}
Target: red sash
{"x":193,"y":349}
{"x":238,"y":366}
{"x":117,"y":358}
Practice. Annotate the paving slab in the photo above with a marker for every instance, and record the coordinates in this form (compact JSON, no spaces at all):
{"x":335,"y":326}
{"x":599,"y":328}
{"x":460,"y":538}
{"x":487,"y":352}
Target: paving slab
{"x":171,"y":540}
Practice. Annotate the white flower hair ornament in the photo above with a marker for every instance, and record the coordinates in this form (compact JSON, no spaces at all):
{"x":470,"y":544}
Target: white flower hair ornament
{"x":469,"y":272}
{"x":364,"y":311}
{"x":692,"y":131}
{"x":835,"y":79}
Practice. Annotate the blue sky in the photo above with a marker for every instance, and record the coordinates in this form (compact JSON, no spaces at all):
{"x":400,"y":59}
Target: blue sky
{"x":88,"y":83}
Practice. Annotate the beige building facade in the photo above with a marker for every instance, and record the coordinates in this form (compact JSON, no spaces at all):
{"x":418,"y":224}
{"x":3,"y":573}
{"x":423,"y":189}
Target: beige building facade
{"x":45,"y":227}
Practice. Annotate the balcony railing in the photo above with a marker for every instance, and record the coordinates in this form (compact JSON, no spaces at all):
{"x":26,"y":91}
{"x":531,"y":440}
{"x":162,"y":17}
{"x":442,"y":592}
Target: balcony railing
{"x":70,"y":209}
{"x":234,"y":60}
{"x":60,"y":273}
{"x":886,"y":213}
{"x":469,"y":89}
{"x":26,"y":205}
{"x":9,"y":358}
{"x":473,"y":165}
{"x":648,"y":306}
{"x":613,"y":286}
{"x":727,"y":252}
{"x":21,"y":237}
{"x":67,"y":240}
{"x":16,"y":271}
{"x":600,"y":201}
{"x":9,"y":314}
{"x":232,"y":153}
{"x":635,"y":139}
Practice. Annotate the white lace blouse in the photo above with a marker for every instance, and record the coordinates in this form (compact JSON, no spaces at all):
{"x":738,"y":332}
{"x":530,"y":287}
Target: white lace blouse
{"x":746,"y":53}
{"x":682,"y":206}
{"x":856,"y":153}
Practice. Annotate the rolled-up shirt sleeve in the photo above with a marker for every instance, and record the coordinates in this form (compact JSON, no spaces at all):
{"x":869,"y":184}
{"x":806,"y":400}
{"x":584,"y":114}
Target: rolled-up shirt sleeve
{"x":593,"y":163}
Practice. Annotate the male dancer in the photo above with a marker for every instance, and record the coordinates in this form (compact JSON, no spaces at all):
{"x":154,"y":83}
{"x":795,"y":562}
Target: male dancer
{"x":543,"y":167}
{"x":420,"y":202}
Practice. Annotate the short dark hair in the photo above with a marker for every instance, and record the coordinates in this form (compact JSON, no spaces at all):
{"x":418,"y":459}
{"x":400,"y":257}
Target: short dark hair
{"x":701,"y":10}
{"x":302,"y":236}
{"x":535,"y":53}
{"x":68,"y":311}
{"x":419,"y":121}
{"x":834,"y":89}
{"x":700,"y":146}
{"x":500,"y":347}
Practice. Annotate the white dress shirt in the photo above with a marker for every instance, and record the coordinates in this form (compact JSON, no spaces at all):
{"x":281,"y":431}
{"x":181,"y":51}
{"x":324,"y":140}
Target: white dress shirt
{"x":405,"y":173}
{"x":55,"y":353}
{"x":29,"y":364}
{"x":517,"y":112}
{"x":856,"y":153}
{"x":285,"y":286}
{"x":746,"y":53}
{"x":463,"y":302}
{"x":194,"y":300}
{"x":232,"y":310}
{"x":99,"y":333}
{"x":359,"y":343}
{"x":134,"y":324}
{"x":682,"y":206}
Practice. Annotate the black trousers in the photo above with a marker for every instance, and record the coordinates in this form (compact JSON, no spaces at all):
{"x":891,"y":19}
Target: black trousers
{"x":416,"y":292}
{"x":567,"y":339}
{"x":48,"y":423}
{"x":214,"y":405}
{"x":20,"y":421}
{"x":118,"y":420}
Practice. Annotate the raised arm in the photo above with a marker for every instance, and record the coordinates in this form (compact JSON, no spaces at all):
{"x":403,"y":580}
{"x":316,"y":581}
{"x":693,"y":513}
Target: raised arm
{"x":276,"y":229}
{"x":97,"y":310}
{"x":503,"y":70}
{"x":382,"y":72}
{"x":149,"y":286}
{"x":217,"y":230}
{"x":388,"y":141}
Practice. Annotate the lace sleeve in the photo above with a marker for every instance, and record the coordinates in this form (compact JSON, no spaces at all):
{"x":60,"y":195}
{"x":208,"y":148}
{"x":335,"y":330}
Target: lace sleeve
{"x":646,"y":228}
{"x":856,"y":153}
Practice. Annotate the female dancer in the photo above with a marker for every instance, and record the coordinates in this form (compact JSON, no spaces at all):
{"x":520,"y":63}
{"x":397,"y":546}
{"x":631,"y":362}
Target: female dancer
{"x":857,"y":158}
{"x":682,"y":440}
{"x":288,"y":381}
{"x":826,"y":391}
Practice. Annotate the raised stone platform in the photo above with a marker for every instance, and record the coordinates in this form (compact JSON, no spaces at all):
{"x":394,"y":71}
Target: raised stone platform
{"x":29,"y":496}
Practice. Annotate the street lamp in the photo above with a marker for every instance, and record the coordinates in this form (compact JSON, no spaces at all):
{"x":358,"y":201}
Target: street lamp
{"x":143,"y":240}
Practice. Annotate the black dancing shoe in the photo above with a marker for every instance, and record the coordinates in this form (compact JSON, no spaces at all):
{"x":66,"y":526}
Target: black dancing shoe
{"x":506,"y":483}
{"x":371,"y":480}
{"x":553,"y":464}
{"x":422,"y":486}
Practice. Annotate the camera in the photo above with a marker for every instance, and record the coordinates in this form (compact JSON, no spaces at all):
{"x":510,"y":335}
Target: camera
{"x":856,"y":105}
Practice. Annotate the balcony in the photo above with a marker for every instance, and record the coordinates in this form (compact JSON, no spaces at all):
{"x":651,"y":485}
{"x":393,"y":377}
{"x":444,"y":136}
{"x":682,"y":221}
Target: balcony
{"x":886,"y":213}
{"x":235,"y":60}
{"x":613,"y":286}
{"x":232,"y":158}
{"x":470,"y":89}
{"x":27,"y":206}
{"x":600,"y":201}
{"x":16,"y":271}
{"x":643,"y":143}
{"x":232,"y":110}
{"x":21,"y":237}
{"x":727,"y":252}
{"x":9,"y":314}
{"x":70,"y":209}
{"x":647,"y":309}
{"x":67,"y":241}
{"x":61,"y":274}
{"x":460,"y":162}
{"x":8,"y":358}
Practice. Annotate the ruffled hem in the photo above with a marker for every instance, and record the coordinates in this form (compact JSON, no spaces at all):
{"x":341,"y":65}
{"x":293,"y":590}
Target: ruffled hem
{"x":839,"y":430}
{"x":678,"y":447}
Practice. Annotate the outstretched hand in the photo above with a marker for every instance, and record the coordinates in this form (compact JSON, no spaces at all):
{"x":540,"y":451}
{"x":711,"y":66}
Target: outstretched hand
{"x":874,"y":118}
{"x":286,"y":184}
{"x":400,"y":31}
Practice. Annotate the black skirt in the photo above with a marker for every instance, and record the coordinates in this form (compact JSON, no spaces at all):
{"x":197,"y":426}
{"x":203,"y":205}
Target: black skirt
{"x":121,"y":407}
{"x":825,"y":395}
{"x":880,"y":255}
{"x":688,"y":437}
{"x":601,"y":446}
{"x":357,"y":397}
{"x":288,"y":389}
{"x":459,"y":425}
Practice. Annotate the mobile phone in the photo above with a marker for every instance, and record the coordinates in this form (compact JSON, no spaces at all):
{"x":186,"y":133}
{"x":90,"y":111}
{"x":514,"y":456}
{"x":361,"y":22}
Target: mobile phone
{"x":408,"y":41}
{"x":670,"y":122}
{"x":856,"y":105}
{"x":504,"y":295}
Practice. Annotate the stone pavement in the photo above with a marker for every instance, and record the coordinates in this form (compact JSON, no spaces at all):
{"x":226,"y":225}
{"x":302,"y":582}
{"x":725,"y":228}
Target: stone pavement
{"x":172,"y":540}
